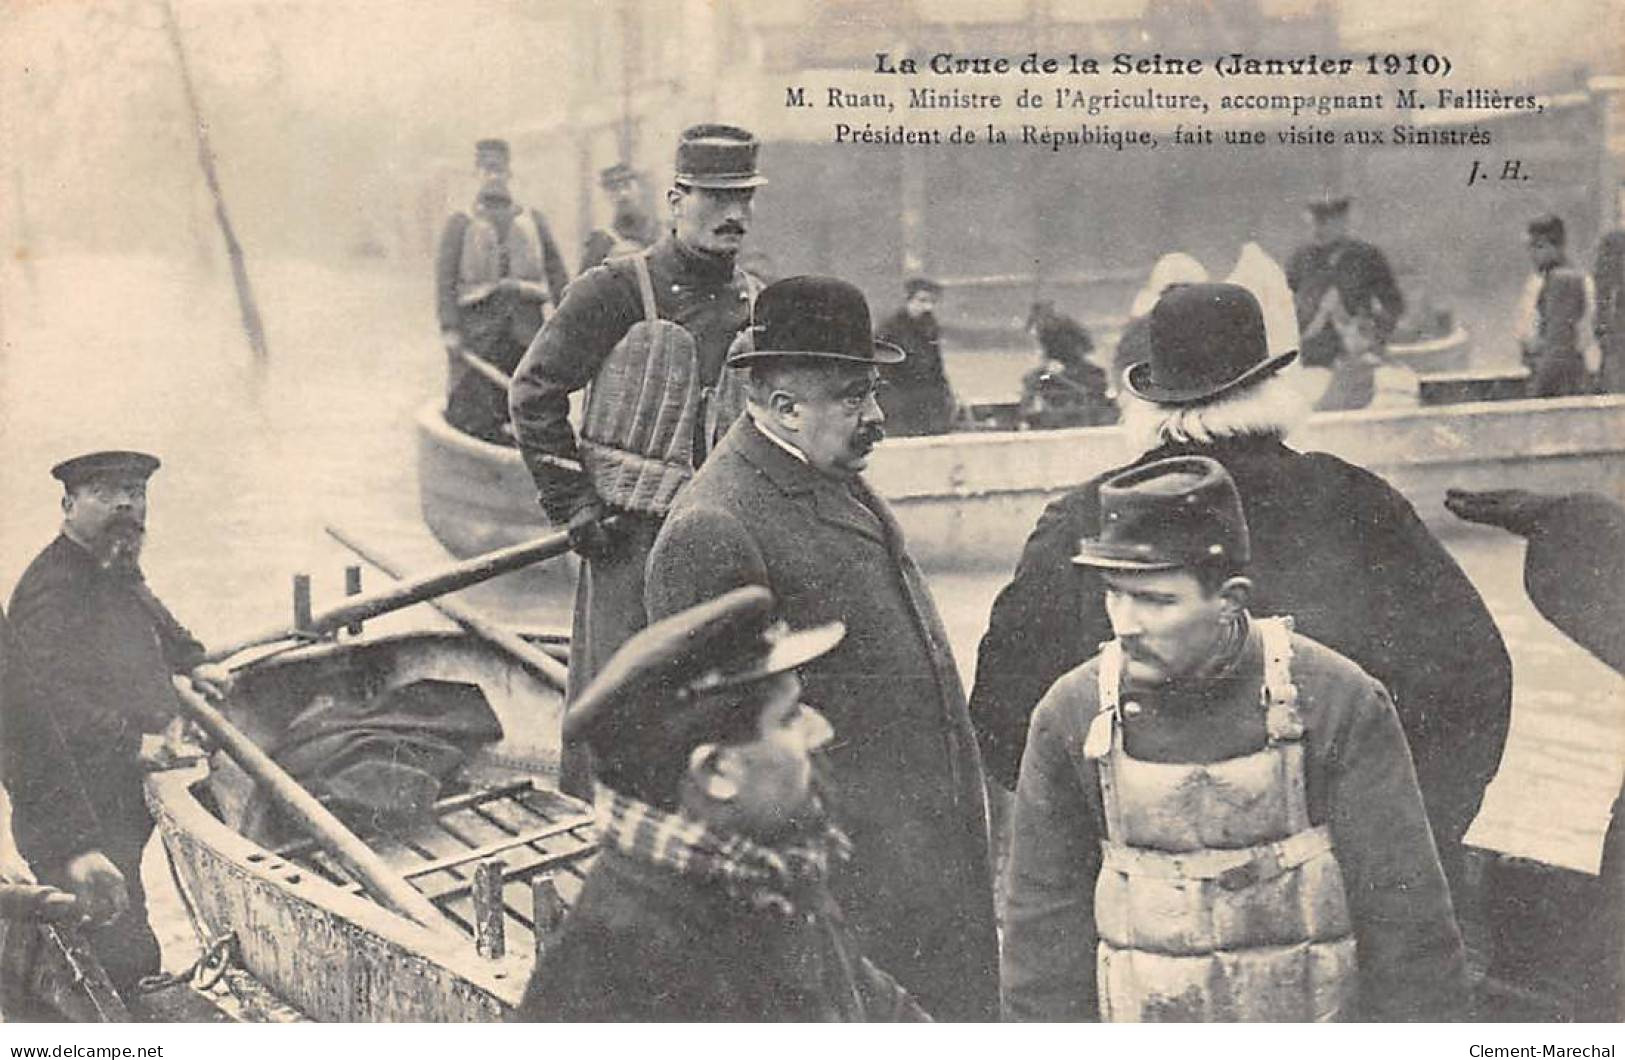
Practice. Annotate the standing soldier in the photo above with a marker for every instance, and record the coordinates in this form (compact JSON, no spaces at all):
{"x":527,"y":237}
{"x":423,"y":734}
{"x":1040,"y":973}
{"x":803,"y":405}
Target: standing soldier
{"x":782,"y":503}
{"x":1217,"y":818}
{"x":490,"y":292}
{"x":631,"y":228}
{"x":918,"y":398}
{"x":1340,"y":285}
{"x":1555,"y":308}
{"x":649,"y":333}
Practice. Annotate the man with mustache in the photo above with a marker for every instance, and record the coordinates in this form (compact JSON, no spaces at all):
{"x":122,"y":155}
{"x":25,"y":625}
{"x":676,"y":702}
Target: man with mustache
{"x":87,"y":694}
{"x":631,"y":229}
{"x":782,"y":503}
{"x":710,"y":897}
{"x":1217,"y":818}
{"x":648,"y":333}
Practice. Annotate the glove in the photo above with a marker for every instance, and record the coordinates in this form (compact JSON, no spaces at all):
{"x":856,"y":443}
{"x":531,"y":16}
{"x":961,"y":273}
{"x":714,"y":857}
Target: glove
{"x":1519,"y":511}
{"x":25,"y":901}
{"x":99,"y":887}
{"x":589,"y":536}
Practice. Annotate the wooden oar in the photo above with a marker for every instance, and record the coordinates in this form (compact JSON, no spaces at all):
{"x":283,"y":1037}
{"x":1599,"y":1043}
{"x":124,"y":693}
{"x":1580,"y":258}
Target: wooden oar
{"x":470,"y":618}
{"x":412,"y":591}
{"x":487,"y":370}
{"x":369,"y":870}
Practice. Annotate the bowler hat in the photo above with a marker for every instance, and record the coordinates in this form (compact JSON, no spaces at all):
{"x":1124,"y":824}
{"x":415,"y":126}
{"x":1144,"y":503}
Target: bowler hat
{"x":1548,"y":228}
{"x":113,"y":463}
{"x":1206,"y":339}
{"x":1178,"y":512}
{"x":814,"y":316}
{"x":616,"y":175}
{"x":652,"y":694}
{"x":718,"y":156}
{"x":1329,"y":206}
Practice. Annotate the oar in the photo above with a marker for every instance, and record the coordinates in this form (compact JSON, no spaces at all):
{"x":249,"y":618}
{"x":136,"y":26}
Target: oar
{"x":414,"y":590}
{"x":470,"y":618}
{"x":485,"y":368}
{"x":377,"y":878}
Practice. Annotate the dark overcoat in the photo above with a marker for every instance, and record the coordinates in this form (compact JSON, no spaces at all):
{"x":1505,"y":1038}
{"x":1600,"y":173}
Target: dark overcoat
{"x":92,"y":657}
{"x":908,"y":781}
{"x":1333,"y":546}
{"x":646,"y":944}
{"x":919,"y":399}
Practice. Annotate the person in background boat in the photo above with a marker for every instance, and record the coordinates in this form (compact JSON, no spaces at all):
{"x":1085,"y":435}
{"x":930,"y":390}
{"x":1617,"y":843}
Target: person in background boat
{"x":1332,"y":544}
{"x":1608,"y":280}
{"x":917,"y":398}
{"x":1134,"y":345}
{"x":1337,"y":280}
{"x":631,"y":228}
{"x":1303,"y":886}
{"x":710,"y":896}
{"x":637,"y":330}
{"x":496,"y":269}
{"x":1554,"y":307}
{"x":782,"y":503}
{"x":87,"y":695}
{"x":1067,"y":389}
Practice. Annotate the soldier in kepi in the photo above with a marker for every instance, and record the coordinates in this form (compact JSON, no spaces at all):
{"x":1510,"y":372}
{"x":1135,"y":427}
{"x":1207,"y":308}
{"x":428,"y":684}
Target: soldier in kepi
{"x":1217,"y":818}
{"x":710,"y":898}
{"x":88,"y":695}
{"x":649,"y":333}
{"x":631,"y":228}
{"x":1347,"y":303}
{"x":497,"y":268}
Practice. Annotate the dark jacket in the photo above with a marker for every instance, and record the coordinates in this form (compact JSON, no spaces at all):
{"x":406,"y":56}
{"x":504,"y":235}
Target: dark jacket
{"x":645,"y":944}
{"x":1332,"y":545}
{"x":602,"y":242}
{"x":1361,"y":274}
{"x":92,"y":656}
{"x":1360,"y":784}
{"x":1574,"y":571}
{"x":1554,"y":352}
{"x":908,"y":783}
{"x":919,"y":399}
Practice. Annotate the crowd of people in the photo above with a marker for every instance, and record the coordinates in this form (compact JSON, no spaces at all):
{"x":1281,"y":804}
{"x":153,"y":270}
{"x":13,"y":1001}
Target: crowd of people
{"x":1246,"y":702}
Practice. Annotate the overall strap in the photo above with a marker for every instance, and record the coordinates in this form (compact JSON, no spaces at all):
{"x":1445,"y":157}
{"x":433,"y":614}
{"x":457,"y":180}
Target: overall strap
{"x":1281,"y":719}
{"x":646,"y":287}
{"x":1104,"y":741}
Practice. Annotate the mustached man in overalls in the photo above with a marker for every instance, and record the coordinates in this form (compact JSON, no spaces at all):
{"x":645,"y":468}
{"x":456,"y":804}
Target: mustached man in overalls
{"x":1217,"y":818}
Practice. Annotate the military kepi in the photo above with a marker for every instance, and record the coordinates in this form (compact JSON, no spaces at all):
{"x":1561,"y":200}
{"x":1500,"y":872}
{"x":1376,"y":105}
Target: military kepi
{"x":1180,"y":512}
{"x":112,"y":463}
{"x":718,"y":156}
{"x":816,"y":317}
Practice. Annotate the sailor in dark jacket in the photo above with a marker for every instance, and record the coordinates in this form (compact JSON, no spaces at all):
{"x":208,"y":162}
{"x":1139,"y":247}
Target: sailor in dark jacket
{"x":694,"y":284}
{"x":87,"y":691}
{"x":631,"y":229}
{"x":709,"y":900}
{"x":918,"y":398}
{"x":1337,"y":275}
{"x":1557,"y":302}
{"x":1333,"y":545}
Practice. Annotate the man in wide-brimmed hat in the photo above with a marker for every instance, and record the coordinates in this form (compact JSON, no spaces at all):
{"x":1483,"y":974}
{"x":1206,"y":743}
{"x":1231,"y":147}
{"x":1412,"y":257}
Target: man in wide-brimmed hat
{"x":1217,"y":818}
{"x":918,"y":398}
{"x":630,"y":228}
{"x":496,"y":270}
{"x":710,"y":898}
{"x":87,"y":694}
{"x":1332,"y":545}
{"x":1342,"y":286}
{"x":782,"y":503}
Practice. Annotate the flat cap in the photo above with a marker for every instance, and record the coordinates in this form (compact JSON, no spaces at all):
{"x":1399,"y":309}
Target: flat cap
{"x":109,"y":463}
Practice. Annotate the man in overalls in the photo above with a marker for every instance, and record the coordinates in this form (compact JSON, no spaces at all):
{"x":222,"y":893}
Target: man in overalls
{"x":1217,"y":818}
{"x":647,"y":334}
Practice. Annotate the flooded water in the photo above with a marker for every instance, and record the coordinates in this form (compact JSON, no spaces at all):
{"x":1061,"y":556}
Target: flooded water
{"x":143,"y":353}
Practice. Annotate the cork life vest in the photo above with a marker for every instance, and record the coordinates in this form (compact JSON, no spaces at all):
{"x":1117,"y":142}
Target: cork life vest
{"x":1217,"y":900}
{"x":492,"y":252}
{"x":650,"y":419}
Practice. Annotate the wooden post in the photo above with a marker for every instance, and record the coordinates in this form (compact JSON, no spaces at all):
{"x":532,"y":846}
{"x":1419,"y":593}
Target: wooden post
{"x":547,"y":911}
{"x":352,"y":587}
{"x":301,"y":602}
{"x":490,"y":932}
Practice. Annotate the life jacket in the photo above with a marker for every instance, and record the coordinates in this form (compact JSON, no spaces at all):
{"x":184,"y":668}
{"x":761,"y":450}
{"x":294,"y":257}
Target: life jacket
{"x":492,"y":252}
{"x":650,"y":419}
{"x":1217,"y":900}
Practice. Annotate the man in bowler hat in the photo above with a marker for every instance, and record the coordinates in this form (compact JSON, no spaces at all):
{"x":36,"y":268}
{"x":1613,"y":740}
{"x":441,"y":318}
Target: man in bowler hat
{"x":710,"y":898}
{"x":496,"y":269}
{"x":918,"y":398}
{"x":631,"y":228}
{"x":88,"y":691}
{"x":639,"y":330}
{"x":782,"y":503}
{"x":1332,"y":545}
{"x":1217,"y":818}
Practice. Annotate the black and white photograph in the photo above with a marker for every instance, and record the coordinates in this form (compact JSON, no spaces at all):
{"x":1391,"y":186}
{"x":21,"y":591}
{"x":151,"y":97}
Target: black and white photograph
{"x":760,"y":511}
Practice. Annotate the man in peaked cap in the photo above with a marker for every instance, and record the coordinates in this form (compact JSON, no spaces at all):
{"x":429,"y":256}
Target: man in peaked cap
{"x":710,"y":897}
{"x":1217,"y":818}
{"x":782,"y":503}
{"x":1338,"y":281}
{"x":1556,"y":303}
{"x":631,"y":228}
{"x":88,"y":690}
{"x":639,"y":330}
{"x":918,"y":398}
{"x":1333,"y":545}
{"x":497,"y":268}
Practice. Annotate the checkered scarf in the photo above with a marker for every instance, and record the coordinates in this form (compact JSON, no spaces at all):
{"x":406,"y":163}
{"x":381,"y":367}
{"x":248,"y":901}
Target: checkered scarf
{"x":785,"y":879}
